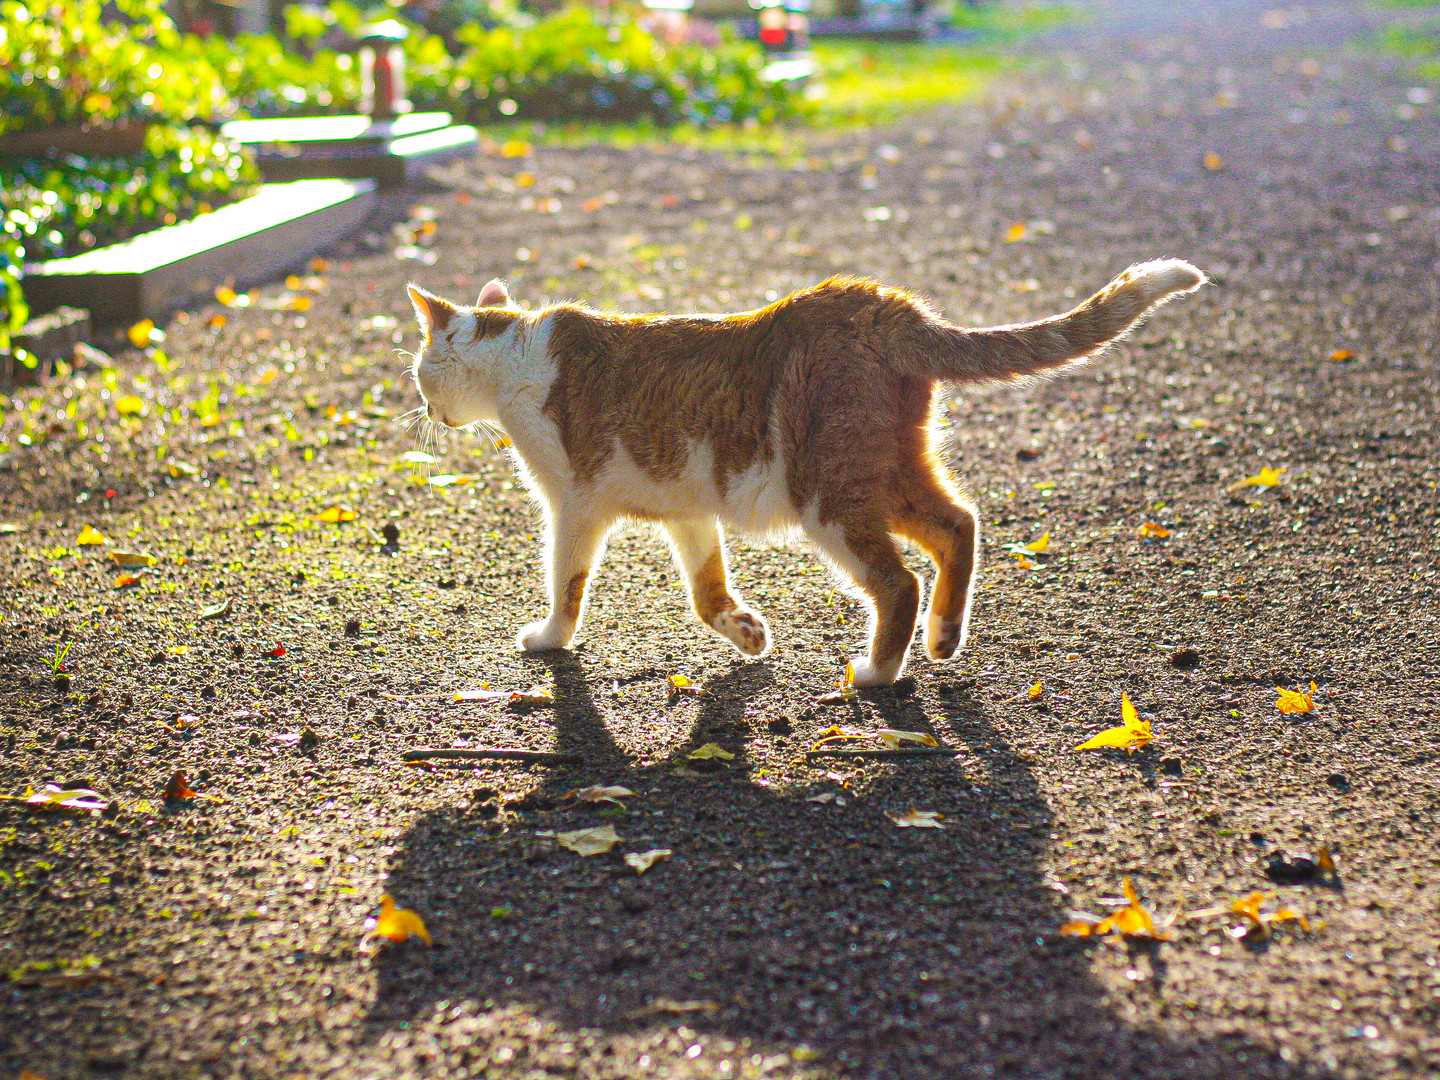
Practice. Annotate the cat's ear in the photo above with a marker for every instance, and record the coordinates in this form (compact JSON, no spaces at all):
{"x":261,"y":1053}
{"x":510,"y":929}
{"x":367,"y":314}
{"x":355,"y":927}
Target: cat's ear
{"x":434,"y":313}
{"x":494,"y":294}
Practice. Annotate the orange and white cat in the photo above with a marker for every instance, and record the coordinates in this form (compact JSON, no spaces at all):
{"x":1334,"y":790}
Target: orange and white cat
{"x":815,"y":414}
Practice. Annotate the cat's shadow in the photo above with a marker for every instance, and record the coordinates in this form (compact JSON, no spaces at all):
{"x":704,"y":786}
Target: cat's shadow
{"x":805,"y":927}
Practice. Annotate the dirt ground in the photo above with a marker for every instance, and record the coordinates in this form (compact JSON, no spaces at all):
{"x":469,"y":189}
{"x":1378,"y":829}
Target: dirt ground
{"x":787,"y":935}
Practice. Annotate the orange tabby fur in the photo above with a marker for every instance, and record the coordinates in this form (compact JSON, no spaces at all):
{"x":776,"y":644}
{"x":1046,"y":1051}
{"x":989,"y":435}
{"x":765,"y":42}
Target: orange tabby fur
{"x":814,"y":413}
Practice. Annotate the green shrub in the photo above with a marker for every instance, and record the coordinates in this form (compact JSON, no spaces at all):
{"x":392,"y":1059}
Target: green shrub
{"x":60,"y":208}
{"x":63,"y":62}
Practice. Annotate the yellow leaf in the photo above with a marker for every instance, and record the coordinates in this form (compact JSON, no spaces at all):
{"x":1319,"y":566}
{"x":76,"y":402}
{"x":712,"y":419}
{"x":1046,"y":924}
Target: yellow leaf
{"x":133,"y":558}
{"x":1150,"y":530}
{"x":90,"y":537}
{"x":398,"y":924}
{"x":1265,"y":478}
{"x":129,"y":405}
{"x":536,"y":695}
{"x":1039,"y":546}
{"x":297,"y":303}
{"x":1015,"y":233}
{"x":68,"y":798}
{"x":524,"y":179}
{"x":1295,"y":701}
{"x":917,"y":819}
{"x":588,"y":842}
{"x":182,"y":468}
{"x":126,"y":580}
{"x":1133,"y":734}
{"x":832,"y":733}
{"x":143,"y":333}
{"x":679,"y":684}
{"x":640,"y":861}
{"x":1341,"y":355}
{"x":226,"y":295}
{"x":1132,"y":920}
{"x":1214,"y":162}
{"x":892,"y":738}
{"x":1325,"y":862}
{"x":849,"y":675}
{"x":335,"y":515}
{"x":710,"y":752}
{"x":515,"y":148}
{"x":267,"y":376}
{"x":1035,"y":691}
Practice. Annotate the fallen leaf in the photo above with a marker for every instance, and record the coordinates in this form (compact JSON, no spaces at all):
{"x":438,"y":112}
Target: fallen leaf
{"x":418,"y":457}
{"x":182,"y":468}
{"x":398,"y":924}
{"x":515,"y":148}
{"x":1132,"y":921}
{"x":827,"y":797}
{"x":640,"y":861}
{"x":1214,"y":162}
{"x":177,"y":788}
{"x":1039,"y":546}
{"x":1295,"y":701}
{"x":90,"y":537}
{"x":597,"y":793}
{"x":133,"y":558}
{"x":917,"y":819}
{"x":833,"y":732}
{"x":710,"y":752}
{"x":278,"y":651}
{"x":1133,"y":734}
{"x":1341,"y":355}
{"x":892,"y":738}
{"x":589,"y":841}
{"x":215,"y":611}
{"x":53,"y":795}
{"x":1015,"y":233}
{"x":335,"y":514}
{"x":679,"y":684}
{"x":143,"y":333}
{"x":1325,"y":862}
{"x":534,"y":697}
{"x":1151,"y":530}
{"x":124,"y":581}
{"x":129,"y":405}
{"x":1035,"y":691}
{"x":483,"y":695}
{"x":1265,"y":478}
{"x":1248,"y":907}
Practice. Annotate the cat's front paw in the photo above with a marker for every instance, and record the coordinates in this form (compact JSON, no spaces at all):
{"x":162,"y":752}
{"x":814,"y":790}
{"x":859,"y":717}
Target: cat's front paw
{"x":542,"y":637}
{"x":744,"y":629}
{"x":867,"y":674}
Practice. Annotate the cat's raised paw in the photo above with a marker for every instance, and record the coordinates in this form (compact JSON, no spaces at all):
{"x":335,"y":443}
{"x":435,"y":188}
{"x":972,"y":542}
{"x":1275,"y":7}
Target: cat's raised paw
{"x":542,"y":637}
{"x":744,"y":629}
{"x":943,"y":638}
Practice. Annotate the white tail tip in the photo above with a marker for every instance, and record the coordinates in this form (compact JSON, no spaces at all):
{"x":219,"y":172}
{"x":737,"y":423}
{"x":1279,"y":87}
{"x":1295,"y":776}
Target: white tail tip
{"x":1165,"y":277}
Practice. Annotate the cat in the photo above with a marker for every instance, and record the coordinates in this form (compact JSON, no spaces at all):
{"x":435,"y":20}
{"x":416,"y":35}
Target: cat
{"x":813,"y":414}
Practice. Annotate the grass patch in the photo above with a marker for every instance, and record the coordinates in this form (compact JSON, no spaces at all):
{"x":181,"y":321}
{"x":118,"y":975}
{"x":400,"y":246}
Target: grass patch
{"x":876,"y":82}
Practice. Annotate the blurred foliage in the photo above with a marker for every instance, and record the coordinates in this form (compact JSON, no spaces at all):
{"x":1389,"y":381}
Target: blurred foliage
{"x":62,"y":207}
{"x":68,"y":62}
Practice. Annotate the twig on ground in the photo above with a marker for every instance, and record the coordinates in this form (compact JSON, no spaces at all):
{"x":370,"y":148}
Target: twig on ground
{"x":461,"y":757}
{"x":917,"y":752}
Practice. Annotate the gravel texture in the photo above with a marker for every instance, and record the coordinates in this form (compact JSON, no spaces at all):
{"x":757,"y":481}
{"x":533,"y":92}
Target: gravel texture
{"x":221,"y":935}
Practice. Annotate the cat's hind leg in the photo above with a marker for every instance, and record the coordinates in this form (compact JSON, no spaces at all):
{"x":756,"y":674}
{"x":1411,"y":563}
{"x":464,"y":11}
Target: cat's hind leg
{"x":700,"y":553}
{"x":572,"y":543}
{"x":867,"y":553}
{"x":945,"y":528}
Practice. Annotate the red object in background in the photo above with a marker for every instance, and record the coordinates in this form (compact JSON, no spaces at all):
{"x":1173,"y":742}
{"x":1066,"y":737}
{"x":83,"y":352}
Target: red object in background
{"x":278,"y":651}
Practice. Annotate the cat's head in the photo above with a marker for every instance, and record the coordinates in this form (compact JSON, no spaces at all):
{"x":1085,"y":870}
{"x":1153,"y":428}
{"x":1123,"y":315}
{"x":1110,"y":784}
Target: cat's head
{"x":453,"y":367}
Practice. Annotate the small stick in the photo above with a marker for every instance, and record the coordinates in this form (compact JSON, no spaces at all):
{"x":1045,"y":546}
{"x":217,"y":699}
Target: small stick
{"x":531,"y":757}
{"x":918,"y":752}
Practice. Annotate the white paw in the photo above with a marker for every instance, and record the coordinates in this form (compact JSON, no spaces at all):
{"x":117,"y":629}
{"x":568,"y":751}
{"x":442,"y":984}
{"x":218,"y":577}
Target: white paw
{"x":744,"y":629}
{"x":944,"y":637}
{"x":542,"y":637}
{"x":867,"y":674}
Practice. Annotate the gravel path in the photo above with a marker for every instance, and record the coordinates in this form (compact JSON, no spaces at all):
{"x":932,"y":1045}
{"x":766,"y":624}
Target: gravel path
{"x":795,"y":930}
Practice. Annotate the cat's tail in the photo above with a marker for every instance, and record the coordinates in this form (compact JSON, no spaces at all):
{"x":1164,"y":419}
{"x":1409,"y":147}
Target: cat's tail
{"x":1029,"y":349}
